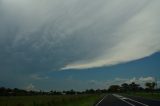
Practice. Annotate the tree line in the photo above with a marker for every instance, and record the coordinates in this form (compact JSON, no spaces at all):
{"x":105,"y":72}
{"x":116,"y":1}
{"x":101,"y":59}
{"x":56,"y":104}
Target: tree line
{"x":149,"y":86}
{"x":125,"y":87}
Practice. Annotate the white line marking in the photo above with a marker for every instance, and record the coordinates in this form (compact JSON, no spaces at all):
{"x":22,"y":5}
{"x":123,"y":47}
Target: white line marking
{"x":124,"y":98}
{"x":127,"y":102}
{"x":101,"y":100}
{"x":137,"y":102}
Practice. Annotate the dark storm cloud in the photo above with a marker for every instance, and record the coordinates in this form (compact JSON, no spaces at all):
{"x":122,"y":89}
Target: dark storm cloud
{"x":50,"y":35}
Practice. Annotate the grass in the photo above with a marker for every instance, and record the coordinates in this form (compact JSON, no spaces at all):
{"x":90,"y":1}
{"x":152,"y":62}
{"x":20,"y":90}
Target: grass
{"x":61,"y":100}
{"x":148,"y":95}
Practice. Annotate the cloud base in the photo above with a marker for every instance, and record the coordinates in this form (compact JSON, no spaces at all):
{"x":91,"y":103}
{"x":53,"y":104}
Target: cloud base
{"x":76,"y":34}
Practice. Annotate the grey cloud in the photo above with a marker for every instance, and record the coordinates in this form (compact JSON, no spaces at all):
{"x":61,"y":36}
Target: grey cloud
{"x":39,"y":77}
{"x":31,"y":87}
{"x":58,"y":34}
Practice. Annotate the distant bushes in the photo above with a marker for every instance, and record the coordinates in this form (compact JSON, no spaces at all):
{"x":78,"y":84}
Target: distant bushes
{"x":150,"y":86}
{"x":19,"y":92}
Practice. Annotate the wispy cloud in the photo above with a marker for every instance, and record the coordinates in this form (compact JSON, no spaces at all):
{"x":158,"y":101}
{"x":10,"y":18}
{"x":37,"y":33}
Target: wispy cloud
{"x":39,"y":77}
{"x":76,"y":34}
{"x":31,"y":87}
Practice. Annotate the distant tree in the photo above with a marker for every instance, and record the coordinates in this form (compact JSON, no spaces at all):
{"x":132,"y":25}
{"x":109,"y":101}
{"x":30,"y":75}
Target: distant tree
{"x":2,"y":91}
{"x":90,"y":91}
{"x":134,"y":87}
{"x":104,"y":91}
{"x":125,"y":87}
{"x":51,"y":92}
{"x":71,"y":92}
{"x":56,"y":93}
{"x":114,"y":88}
{"x":98,"y":91}
{"x":150,"y":85}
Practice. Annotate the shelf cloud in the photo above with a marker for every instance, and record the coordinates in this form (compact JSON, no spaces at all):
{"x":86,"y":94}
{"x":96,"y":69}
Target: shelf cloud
{"x":40,"y":35}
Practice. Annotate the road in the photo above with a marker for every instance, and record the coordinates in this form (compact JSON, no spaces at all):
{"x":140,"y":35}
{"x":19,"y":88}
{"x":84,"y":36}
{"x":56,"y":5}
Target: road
{"x":118,"y":100}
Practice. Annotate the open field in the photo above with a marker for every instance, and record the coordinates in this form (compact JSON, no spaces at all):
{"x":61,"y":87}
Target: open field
{"x":59,"y":100}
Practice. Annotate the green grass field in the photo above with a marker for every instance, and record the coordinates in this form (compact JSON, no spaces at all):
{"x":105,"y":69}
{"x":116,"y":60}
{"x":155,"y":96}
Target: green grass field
{"x":61,"y":100}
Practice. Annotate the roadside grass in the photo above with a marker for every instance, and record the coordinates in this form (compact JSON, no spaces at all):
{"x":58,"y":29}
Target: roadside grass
{"x":61,"y":100}
{"x":148,"y":95}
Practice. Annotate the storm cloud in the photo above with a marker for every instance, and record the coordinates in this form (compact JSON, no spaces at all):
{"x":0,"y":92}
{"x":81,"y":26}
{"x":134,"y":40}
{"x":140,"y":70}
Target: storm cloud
{"x":51,"y":35}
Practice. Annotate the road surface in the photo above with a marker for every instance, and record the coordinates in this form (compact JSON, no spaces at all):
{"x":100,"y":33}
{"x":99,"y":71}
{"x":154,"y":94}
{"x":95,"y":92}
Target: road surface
{"x":118,"y":100}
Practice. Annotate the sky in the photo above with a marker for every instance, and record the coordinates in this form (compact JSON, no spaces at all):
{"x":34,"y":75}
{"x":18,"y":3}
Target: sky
{"x":78,"y":44}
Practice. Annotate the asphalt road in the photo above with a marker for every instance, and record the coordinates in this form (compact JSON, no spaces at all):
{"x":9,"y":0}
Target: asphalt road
{"x":118,"y":100}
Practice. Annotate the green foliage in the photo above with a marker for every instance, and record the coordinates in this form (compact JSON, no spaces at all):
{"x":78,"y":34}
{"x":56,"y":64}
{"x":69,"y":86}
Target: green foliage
{"x":114,"y":88}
